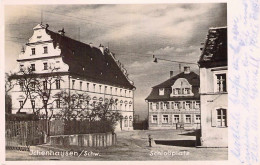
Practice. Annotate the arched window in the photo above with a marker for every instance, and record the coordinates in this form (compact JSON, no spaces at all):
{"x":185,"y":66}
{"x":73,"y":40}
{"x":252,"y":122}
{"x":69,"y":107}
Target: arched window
{"x":126,"y":121}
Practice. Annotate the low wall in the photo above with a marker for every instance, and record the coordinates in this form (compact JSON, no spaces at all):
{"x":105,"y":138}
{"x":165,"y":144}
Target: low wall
{"x":88,"y":140}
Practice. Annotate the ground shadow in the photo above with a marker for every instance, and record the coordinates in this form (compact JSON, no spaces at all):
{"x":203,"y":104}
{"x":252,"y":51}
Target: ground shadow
{"x":181,"y":143}
{"x":189,"y":134}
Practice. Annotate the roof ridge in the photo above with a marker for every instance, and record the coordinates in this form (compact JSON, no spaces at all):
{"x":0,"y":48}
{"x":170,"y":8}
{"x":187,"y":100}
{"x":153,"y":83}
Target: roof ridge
{"x":173,"y":77}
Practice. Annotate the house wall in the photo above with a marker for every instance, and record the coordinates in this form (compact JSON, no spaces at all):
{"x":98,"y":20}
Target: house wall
{"x":211,"y":134}
{"x":182,"y":112}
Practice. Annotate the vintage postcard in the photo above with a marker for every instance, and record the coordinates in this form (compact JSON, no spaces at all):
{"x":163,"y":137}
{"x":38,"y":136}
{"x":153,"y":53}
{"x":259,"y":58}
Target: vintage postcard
{"x":110,"y":81}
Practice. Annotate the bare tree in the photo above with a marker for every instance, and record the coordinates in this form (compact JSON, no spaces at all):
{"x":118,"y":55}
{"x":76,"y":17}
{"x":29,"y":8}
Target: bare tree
{"x":77,"y":106}
{"x":37,"y":86}
{"x":25,"y":78}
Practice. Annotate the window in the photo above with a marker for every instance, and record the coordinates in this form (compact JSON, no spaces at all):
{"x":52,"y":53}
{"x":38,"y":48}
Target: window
{"x":115,"y":91}
{"x":125,"y":93}
{"x":45,"y":66}
{"x":33,"y":67}
{"x":176,"y":105}
{"x":157,"y":105}
{"x":33,"y":104}
{"x":221,"y":83}
{"x":94,"y":87}
{"x":21,"y":83}
{"x":45,"y":49}
{"x":33,"y":51}
{"x":197,"y":118}
{"x":161,"y":91}
{"x":100,"y":87}
{"x":87,"y":86}
{"x":45,"y":103}
{"x":188,"y":118}
{"x":21,"y":104}
{"x":221,"y":118}
{"x":57,"y":84}
{"x":33,"y":86}
{"x":176,"y":118}
{"x":151,"y":106}
{"x":126,"y":122}
{"x":161,"y":105}
{"x":105,"y":90}
{"x":187,"y":105}
{"x":154,"y":119}
{"x":197,"y":104}
{"x":130,"y":106}
{"x":80,"y":85}
{"x":21,"y":68}
{"x":165,"y":119}
{"x":44,"y":84}
{"x":73,"y":84}
{"x":167,"y":105}
{"x":130,"y":122}
{"x":111,"y":89}
{"x":57,"y":103}
{"x":172,"y":105}
{"x":130,"y":93}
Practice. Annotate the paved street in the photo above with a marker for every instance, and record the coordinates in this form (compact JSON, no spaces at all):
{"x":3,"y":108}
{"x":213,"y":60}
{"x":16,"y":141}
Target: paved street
{"x":132,"y":145}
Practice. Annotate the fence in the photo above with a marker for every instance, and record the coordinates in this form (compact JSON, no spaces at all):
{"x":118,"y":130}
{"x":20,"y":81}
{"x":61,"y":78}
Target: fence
{"x":70,"y":127}
{"x":89,"y":140}
{"x":21,"y":134}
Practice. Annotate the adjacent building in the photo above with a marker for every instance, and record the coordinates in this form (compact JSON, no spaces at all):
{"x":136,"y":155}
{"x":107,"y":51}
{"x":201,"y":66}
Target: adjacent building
{"x":175,"y":102}
{"x":214,"y":89}
{"x":79,"y":67}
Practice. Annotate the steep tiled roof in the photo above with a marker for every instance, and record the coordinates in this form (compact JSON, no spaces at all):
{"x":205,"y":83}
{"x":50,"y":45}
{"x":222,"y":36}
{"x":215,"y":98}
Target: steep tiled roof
{"x":214,"y":53}
{"x":89,"y":62}
{"x":192,"y":78}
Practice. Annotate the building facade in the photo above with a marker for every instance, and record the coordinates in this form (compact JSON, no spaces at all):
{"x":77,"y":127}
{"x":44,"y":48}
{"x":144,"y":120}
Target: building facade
{"x":79,"y":68}
{"x":175,"y":102}
{"x":214,"y":89}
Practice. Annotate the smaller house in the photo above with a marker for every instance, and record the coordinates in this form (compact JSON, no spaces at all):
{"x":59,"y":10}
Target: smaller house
{"x":175,"y":103}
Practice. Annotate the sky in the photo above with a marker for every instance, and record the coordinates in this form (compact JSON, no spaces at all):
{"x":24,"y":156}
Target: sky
{"x":133,"y":32}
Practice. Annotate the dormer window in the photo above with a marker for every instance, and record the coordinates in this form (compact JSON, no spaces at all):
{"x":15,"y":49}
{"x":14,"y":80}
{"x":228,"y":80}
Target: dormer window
{"x":161,"y":91}
{"x":33,"y":51}
{"x":45,"y":49}
{"x":181,"y":87}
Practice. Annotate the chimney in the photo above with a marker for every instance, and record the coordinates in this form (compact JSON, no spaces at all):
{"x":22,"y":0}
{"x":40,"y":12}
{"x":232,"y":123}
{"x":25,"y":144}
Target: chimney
{"x":61,"y":32}
{"x":186,"y":70}
{"x":101,"y":47}
{"x":171,"y":74}
{"x":91,"y":44}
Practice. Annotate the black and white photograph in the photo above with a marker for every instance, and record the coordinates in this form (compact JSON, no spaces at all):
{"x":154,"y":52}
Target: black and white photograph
{"x":116,"y":82}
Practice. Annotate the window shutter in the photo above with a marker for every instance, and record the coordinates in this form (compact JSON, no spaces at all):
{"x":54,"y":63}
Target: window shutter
{"x":193,"y":118}
{"x":226,"y":117}
{"x":213,"y":118}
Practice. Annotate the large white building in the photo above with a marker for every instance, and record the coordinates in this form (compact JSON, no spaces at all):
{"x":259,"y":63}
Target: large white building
{"x":80,"y":67}
{"x":214,"y":89}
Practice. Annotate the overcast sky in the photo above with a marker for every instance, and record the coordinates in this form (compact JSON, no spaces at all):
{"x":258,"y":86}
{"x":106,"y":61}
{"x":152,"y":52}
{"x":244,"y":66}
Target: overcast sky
{"x":132,"y":32}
